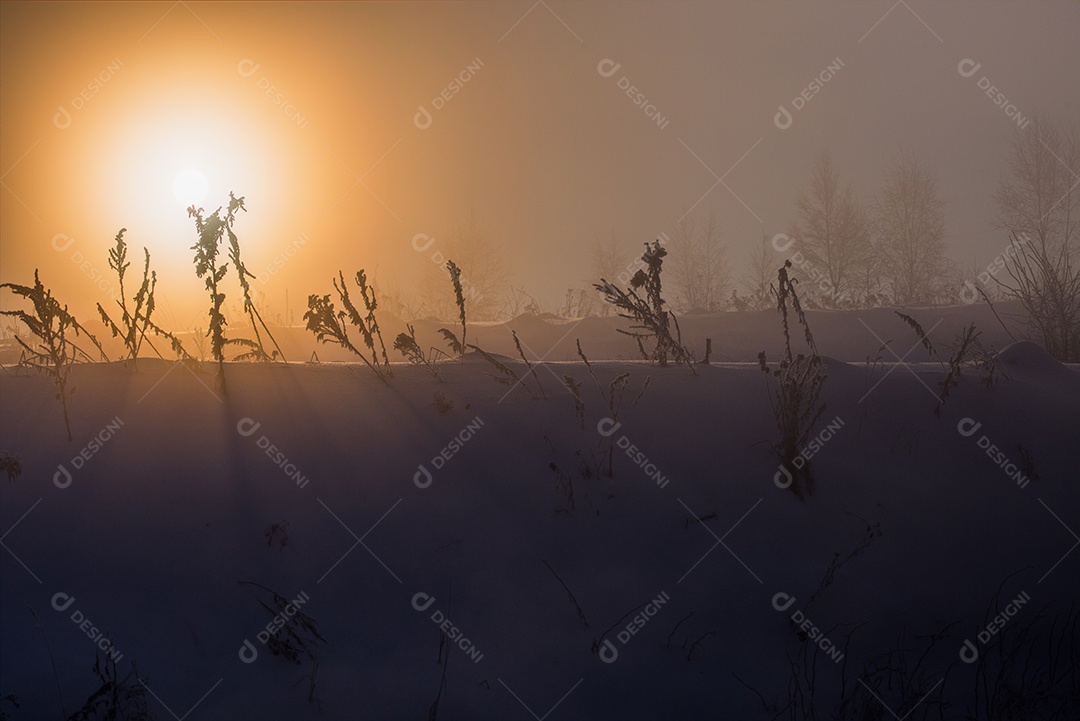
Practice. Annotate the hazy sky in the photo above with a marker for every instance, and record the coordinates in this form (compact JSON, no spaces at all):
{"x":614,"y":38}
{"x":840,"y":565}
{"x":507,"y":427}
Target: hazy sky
{"x":313,"y":112}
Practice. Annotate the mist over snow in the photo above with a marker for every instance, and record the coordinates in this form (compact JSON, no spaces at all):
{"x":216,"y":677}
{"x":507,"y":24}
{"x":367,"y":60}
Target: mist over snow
{"x":551,"y":360}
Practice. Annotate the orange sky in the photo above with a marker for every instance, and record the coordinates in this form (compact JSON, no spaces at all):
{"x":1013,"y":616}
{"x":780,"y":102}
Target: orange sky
{"x":309,"y":111}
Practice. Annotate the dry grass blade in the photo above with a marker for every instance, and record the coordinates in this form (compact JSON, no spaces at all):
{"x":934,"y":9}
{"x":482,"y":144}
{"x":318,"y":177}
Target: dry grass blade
{"x":532,"y":370}
{"x":506,"y":376}
{"x":579,"y":404}
{"x":923,"y":338}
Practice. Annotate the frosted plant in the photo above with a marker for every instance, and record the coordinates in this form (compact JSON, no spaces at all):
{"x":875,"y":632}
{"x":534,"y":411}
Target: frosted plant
{"x":136,"y":320}
{"x":651,"y":319}
{"x":54,"y":352}
{"x":796,"y":399}
{"x":406,"y":345}
{"x":212,"y":229}
{"x":326,"y":322}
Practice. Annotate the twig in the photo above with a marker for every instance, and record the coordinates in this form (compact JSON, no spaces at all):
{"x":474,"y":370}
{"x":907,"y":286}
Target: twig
{"x":992,"y":308}
{"x":528,"y":364}
{"x":756,"y":692}
{"x":668,"y":642}
{"x":580,"y":613}
{"x":596,"y":642}
{"x":697,"y":643}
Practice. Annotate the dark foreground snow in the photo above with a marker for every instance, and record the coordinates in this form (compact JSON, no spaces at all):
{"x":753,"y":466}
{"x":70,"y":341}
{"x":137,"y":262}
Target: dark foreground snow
{"x":438,"y":557}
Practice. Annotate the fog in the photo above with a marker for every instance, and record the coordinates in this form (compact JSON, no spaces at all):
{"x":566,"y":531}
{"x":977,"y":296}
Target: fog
{"x":352,"y":128}
{"x":370,"y":443}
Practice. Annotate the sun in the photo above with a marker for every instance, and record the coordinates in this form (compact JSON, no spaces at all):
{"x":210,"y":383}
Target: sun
{"x":190,"y":187}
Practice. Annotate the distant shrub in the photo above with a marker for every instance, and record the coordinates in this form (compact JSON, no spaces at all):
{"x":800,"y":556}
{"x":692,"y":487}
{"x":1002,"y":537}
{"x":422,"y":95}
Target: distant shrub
{"x":578,"y":303}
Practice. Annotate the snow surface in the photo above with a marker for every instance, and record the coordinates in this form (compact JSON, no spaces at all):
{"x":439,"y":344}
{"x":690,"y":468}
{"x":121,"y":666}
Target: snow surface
{"x":159,"y":527}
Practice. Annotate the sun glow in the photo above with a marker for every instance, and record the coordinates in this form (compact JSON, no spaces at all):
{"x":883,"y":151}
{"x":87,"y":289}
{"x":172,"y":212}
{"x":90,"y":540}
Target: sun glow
{"x":170,"y":154}
{"x":164,"y":143}
{"x":190,"y":187}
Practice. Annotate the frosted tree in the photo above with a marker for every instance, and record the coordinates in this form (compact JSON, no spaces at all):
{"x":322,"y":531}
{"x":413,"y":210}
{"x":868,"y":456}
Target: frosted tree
{"x":698,"y":265}
{"x":758,"y":277}
{"x":1039,"y":206}
{"x":484,"y":274}
{"x":607,"y":259}
{"x":909,"y":220}
{"x":832,"y":228}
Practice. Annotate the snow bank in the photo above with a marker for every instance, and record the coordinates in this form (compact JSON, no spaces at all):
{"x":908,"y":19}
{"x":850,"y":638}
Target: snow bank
{"x":684,"y":586}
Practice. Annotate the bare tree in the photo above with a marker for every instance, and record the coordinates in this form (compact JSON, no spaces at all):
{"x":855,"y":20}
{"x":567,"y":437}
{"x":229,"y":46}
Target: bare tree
{"x":484,"y":277}
{"x":868,"y":287}
{"x":698,"y":266}
{"x":832,"y":229}
{"x":758,"y":278}
{"x":1039,"y":206}
{"x":607,"y":259}
{"x":909,"y":220}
